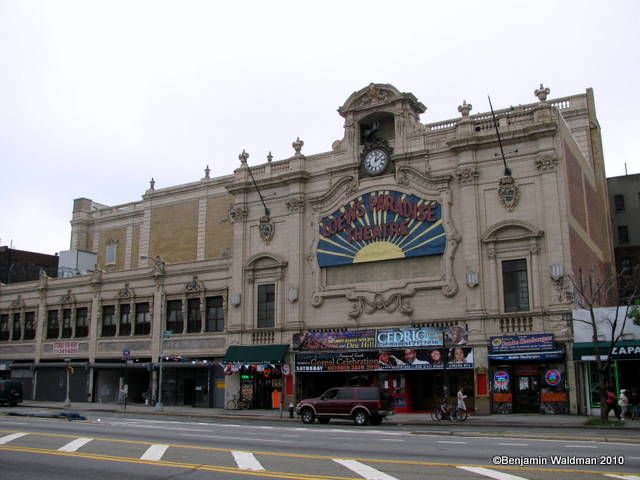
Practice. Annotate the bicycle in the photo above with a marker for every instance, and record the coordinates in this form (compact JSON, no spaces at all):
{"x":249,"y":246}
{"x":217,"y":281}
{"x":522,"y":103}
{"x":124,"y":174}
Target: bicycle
{"x":236,"y":403}
{"x":448,"y":412}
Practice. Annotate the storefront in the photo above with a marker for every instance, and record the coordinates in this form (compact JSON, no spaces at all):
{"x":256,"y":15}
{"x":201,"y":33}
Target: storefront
{"x":528,"y":374}
{"x":412,"y":364}
{"x":624,"y":373}
{"x":256,"y":375}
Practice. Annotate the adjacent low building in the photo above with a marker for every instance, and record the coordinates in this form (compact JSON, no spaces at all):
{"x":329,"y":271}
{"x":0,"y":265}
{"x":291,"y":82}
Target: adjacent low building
{"x":410,"y":256}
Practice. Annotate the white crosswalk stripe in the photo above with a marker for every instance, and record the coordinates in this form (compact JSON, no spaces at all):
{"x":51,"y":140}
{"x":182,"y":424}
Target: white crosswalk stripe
{"x":11,"y":437}
{"x":363,"y":470}
{"x":623,"y":477}
{"x":74,"y":445}
{"x":154,"y":452}
{"x":246,"y":461}
{"x":491,"y":473}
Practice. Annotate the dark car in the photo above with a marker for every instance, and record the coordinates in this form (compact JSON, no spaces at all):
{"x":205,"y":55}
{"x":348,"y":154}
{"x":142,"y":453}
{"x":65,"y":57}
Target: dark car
{"x":10,"y":392}
{"x":362,"y":404}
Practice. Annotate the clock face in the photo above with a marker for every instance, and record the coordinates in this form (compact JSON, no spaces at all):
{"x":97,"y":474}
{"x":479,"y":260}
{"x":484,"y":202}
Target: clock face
{"x":376,"y":161}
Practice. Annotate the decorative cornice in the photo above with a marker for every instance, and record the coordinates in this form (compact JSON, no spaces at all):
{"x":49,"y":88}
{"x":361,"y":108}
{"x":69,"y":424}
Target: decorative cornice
{"x":395,"y":302}
{"x":344,"y":187}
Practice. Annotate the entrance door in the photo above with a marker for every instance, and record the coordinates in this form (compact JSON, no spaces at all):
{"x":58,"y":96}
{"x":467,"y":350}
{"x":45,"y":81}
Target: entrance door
{"x":527,"y":394}
{"x":189,"y":392}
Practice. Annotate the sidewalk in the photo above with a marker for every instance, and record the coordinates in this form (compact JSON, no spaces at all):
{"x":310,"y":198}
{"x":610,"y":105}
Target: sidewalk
{"x":422,"y":419}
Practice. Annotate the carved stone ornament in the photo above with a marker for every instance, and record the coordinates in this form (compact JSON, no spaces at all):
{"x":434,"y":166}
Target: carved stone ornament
{"x":18,"y":302}
{"x":467,"y":175}
{"x":395,"y":302}
{"x":194,"y":286}
{"x":238,"y":213}
{"x":266,"y":228}
{"x":508,"y":192}
{"x":295,"y":205}
{"x":159,"y":266}
{"x":66,"y":298}
{"x":373,"y":95}
{"x":125,"y":292}
{"x":546,"y":162}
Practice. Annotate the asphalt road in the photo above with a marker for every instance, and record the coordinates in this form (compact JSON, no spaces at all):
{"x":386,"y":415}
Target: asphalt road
{"x":130,"y":447}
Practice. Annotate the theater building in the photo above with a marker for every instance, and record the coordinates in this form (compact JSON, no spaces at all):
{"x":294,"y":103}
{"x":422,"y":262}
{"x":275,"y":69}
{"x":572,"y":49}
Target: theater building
{"x":410,"y":256}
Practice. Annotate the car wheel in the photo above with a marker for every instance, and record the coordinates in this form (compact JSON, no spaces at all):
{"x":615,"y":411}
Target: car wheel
{"x":376,"y":420}
{"x":307,"y":415}
{"x":360,"y":418}
{"x":323,"y":420}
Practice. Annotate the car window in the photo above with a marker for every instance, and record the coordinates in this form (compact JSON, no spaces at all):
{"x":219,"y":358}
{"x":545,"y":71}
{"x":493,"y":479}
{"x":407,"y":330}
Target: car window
{"x":345,"y":394}
{"x":330,"y":394}
{"x":368,"y":394}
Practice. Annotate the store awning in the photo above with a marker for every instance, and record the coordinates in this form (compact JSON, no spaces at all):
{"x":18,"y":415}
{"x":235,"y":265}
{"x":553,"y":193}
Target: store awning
{"x":623,"y":350}
{"x":255,"y":353}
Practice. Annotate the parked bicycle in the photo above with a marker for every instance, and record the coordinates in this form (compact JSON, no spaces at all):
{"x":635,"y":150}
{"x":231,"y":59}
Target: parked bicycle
{"x":238,"y":403}
{"x":444,"y":411}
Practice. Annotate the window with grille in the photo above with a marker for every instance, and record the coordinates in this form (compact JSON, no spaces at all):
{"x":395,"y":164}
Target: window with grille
{"x":125,"y":319}
{"x":515,"y":285}
{"x":53,"y":324}
{"x":108,"y":321}
{"x":623,"y":234}
{"x":110,"y":257}
{"x":143,"y":319}
{"x":266,"y":305}
{"x":82,"y":322}
{"x":194,"y":320}
{"x":618,"y":202}
{"x":215,"y":314}
{"x":66,"y":323}
{"x":174,"y":316}
{"x":29,"y":325}
{"x":17,"y":330}
{"x":4,"y":327}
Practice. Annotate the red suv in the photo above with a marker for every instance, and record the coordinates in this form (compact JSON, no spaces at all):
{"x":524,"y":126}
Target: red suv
{"x":362,"y":404}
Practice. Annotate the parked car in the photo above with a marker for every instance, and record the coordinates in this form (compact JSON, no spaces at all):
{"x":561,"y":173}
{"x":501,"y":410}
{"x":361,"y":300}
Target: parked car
{"x":10,"y":392}
{"x":362,"y":404}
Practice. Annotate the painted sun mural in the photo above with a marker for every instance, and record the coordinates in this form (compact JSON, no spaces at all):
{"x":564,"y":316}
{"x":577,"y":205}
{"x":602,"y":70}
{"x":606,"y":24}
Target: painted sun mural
{"x":381,"y":225}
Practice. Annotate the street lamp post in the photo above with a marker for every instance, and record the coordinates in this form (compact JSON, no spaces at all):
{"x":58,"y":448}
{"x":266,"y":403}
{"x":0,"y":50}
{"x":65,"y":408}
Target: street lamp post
{"x":165,"y":336}
{"x":67,"y":402}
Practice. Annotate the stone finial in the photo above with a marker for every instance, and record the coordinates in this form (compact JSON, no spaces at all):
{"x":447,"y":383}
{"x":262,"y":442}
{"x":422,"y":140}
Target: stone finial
{"x":297,"y":146}
{"x":152,"y":184}
{"x":465,"y":108}
{"x":269,"y":157}
{"x":243,"y":157}
{"x":207,"y":171}
{"x":542,"y":93}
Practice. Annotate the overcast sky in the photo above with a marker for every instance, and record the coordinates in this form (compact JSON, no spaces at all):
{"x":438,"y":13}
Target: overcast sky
{"x":98,"y":97}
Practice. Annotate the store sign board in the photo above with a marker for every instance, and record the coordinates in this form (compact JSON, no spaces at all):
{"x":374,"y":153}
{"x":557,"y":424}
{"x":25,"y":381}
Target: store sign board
{"x":381,"y":225}
{"x":386,"y":360}
{"x":65,"y":347}
{"x":521,"y":343}
{"x":341,"y":340}
{"x":620,"y":352}
{"x":409,"y":337}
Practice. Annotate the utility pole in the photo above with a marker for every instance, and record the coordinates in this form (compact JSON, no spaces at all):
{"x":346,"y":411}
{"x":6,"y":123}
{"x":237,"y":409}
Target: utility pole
{"x":165,"y":336}
{"x":67,"y":402}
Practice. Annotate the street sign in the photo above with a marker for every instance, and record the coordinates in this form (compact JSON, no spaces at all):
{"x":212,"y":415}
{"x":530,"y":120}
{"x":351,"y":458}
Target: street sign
{"x":126,"y":354}
{"x":167,"y":334}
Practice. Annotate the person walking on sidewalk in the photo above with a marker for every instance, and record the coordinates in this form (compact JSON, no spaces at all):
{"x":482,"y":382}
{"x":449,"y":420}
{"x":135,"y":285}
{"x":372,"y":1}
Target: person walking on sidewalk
{"x":461,"y":397}
{"x":623,"y":403}
{"x":633,"y":402}
{"x":612,"y":405}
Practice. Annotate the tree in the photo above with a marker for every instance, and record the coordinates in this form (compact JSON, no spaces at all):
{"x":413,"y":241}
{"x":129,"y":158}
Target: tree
{"x":592,"y":291}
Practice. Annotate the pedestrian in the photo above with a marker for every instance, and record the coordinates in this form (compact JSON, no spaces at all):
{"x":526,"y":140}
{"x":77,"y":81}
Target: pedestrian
{"x":633,"y":401}
{"x":612,"y":405}
{"x":461,"y":397}
{"x":122,"y":396}
{"x":623,"y":403}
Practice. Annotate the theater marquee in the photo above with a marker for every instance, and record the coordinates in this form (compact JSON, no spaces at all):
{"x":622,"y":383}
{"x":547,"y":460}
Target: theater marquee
{"x":381,"y":225}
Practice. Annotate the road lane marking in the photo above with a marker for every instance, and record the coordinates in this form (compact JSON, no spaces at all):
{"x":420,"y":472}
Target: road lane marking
{"x":74,"y":445}
{"x":247,"y":461}
{"x":11,"y":437}
{"x":391,"y":440}
{"x":580,"y":446}
{"x":491,"y":473}
{"x":623,"y":477}
{"x":363,"y":470}
{"x":220,"y":437}
{"x":451,"y":441}
{"x":154,"y":452}
{"x":514,"y":444}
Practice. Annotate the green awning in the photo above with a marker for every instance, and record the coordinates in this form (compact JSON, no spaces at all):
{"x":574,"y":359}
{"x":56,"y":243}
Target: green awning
{"x":255,"y":353}
{"x":624,"y":350}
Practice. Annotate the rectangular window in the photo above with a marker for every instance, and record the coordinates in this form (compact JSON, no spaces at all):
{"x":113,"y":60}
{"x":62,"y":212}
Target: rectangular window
{"x":618,"y":202}
{"x":125,"y":319}
{"x":143,"y":320}
{"x":174,"y":316}
{"x":215,"y":314}
{"x":110,"y":257}
{"x":108,"y":321}
{"x":623,"y":234}
{"x":194,"y":320}
{"x":4,"y":327}
{"x":29,"y":325}
{"x":515,"y":284}
{"x":266,"y":305}
{"x":17,"y":330}
{"x":53,"y":324}
{"x":66,"y":323}
{"x":82,"y":322}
